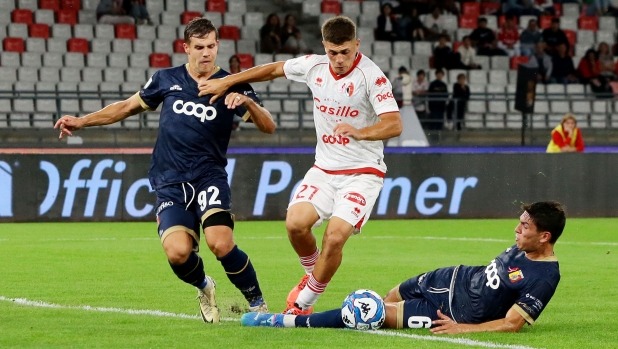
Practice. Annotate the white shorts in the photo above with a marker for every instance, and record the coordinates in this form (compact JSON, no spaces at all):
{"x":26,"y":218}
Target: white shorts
{"x":348,"y":196}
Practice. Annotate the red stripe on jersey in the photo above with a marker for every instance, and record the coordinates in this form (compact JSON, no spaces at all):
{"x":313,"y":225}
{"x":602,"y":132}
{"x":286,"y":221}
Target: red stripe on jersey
{"x":359,"y":225}
{"x":337,"y":77}
{"x":364,"y":170}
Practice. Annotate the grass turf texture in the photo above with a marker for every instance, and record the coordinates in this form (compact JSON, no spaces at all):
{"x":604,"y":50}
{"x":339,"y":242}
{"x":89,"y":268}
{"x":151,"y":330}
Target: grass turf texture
{"x":122,"y":265}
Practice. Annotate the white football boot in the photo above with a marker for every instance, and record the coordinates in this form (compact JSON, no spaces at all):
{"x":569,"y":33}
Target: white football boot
{"x":208,"y":303}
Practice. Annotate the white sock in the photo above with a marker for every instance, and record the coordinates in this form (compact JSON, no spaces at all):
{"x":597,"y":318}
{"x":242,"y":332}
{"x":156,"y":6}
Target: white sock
{"x":289,"y":320}
{"x":310,"y":294}
{"x":308,"y":262}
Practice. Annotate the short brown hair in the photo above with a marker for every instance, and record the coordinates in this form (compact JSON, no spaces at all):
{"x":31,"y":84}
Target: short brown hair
{"x":338,"y":30}
{"x":200,"y":27}
{"x":547,"y":216}
{"x":568,"y":116}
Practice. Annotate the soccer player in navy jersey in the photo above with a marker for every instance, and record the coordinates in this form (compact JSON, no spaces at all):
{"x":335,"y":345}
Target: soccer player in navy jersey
{"x":501,"y":297}
{"x":188,"y":163}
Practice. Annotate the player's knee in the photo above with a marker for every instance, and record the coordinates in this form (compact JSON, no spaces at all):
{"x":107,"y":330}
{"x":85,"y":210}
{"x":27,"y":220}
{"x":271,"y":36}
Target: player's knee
{"x":221,"y":247}
{"x":295,"y":227}
{"x":177,"y":253}
{"x":333,"y":242}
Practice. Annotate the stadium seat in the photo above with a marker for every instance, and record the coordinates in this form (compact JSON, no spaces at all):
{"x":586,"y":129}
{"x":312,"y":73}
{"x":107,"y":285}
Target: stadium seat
{"x":500,"y":63}
{"x":600,"y":107}
{"x":142,"y":46}
{"x":101,"y":45}
{"x":246,"y":60}
{"x":139,"y":60}
{"x":598,"y":121}
{"x":476,"y":106}
{"x":478,"y":77}
{"x":74,"y":5}
{"x":467,"y":22}
{"x":570,"y":10}
{"x":13,"y":45}
{"x":580,"y":107}
{"x":400,"y":61}
{"x":53,"y":5}
{"x":229,"y":32}
{"x":19,"y":120}
{"x":160,"y":60}
{"x":49,"y":74}
{"x":237,"y":6}
{"x":492,"y":22}
{"x":92,"y":74}
{"x":63,"y":31}
{"x":85,"y":31}
{"x":607,"y":23}
{"x":588,"y":23}
{"x":568,"y":23}
{"x":606,"y":36}
{"x":555,"y":91}
{"x":419,"y":62}
{"x":216,"y":6}
{"x":263,"y":58}
{"x":513,"y":121}
{"x":66,"y":17}
{"x":498,"y":77}
{"x":118,"y":60}
{"x":350,"y":8}
{"x":560,"y":107}
{"x":246,"y":46}
{"x":196,"y":5}
{"x":125,"y":31}
{"x":585,"y":36}
{"x":178,"y":46}
{"x":39,"y":31}
{"x":423,"y":48}
{"x":17,"y":30}
{"x":517,"y":60}
{"x":188,"y":16}
{"x":87,"y":17}
{"x":311,"y":8}
{"x":163,"y":46}
{"x":234,"y":19}
{"x":545,"y":22}
{"x":122,"y":46}
{"x":489,"y":8}
{"x":494,"y":120}
{"x":78,"y":45}
{"x":471,"y":9}
{"x":323,"y":17}
{"x":10,"y":59}
{"x":30,"y":59}
{"x":74,"y":60}
{"x":383,"y":62}
{"x":146,"y":32}
{"x":104,"y":31}
{"x":22,"y":16}
{"x":333,"y":7}
{"x":255,"y":19}
{"x":382,"y":48}
{"x":402,"y":48}
{"x":178,"y":59}
{"x":170,"y":18}
{"x":44,"y":17}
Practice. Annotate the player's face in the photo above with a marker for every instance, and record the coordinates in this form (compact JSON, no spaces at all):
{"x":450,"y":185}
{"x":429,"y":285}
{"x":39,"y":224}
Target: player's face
{"x":527,"y":236}
{"x":202,"y":53}
{"x":341,"y":56}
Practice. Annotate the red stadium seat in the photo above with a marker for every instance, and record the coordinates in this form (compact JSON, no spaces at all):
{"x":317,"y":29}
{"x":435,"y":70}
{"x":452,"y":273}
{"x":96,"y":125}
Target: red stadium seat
{"x":571,"y":35}
{"x":246,"y":60}
{"x":545,"y":22}
{"x":331,"y":7}
{"x":53,"y":5}
{"x":471,"y":9}
{"x":66,"y":17}
{"x":22,"y":16}
{"x":187,"y":16}
{"x":468,"y":22}
{"x":74,"y":5}
{"x":431,"y":60}
{"x":558,"y":9}
{"x":125,"y":31}
{"x":14,"y":45}
{"x":216,"y":6}
{"x":39,"y":30}
{"x":489,"y":8}
{"x":456,"y":45}
{"x":229,"y":32}
{"x":178,"y":46}
{"x":588,"y":23}
{"x":78,"y":45}
{"x":160,"y":60}
{"x":517,"y":60}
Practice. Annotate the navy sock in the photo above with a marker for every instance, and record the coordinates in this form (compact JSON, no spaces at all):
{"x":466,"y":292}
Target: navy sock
{"x":240,"y":271}
{"x":191,"y":271}
{"x":329,"y":319}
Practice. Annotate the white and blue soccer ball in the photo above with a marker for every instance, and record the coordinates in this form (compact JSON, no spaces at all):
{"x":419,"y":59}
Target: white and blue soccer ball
{"x":363,"y":310}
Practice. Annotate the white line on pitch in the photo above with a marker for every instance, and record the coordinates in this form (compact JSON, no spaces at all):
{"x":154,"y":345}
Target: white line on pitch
{"x":461,"y":341}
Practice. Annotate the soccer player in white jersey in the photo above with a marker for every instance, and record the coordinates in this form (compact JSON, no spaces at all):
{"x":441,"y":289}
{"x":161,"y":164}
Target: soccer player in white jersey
{"x":354,"y":112}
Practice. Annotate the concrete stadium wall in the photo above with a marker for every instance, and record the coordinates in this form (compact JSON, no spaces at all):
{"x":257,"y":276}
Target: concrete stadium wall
{"x":114,"y":187}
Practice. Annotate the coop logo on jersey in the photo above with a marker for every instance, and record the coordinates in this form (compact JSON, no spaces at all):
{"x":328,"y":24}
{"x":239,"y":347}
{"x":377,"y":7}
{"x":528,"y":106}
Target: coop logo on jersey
{"x":330,"y":139}
{"x":356,"y":198}
{"x":385,"y":96}
{"x":6,"y":190}
{"x":515,"y":274}
{"x":198,"y":110}
{"x":381,"y":81}
{"x":347,"y":89}
{"x":344,"y":111}
{"x":318,"y":81}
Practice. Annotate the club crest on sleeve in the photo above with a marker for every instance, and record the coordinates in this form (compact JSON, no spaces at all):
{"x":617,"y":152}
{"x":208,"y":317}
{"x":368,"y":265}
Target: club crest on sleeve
{"x":381,"y":81}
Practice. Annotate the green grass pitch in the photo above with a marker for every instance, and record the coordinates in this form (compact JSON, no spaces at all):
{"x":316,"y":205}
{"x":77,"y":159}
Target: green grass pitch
{"x":59,"y":270}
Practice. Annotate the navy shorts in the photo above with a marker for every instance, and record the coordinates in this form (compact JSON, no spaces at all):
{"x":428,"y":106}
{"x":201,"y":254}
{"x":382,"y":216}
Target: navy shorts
{"x":185,"y":206}
{"x":421,"y":297}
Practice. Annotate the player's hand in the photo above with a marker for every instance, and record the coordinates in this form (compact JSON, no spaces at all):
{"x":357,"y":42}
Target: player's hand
{"x":67,"y":124}
{"x":445,"y":325}
{"x":347,"y":130}
{"x":214,"y":87}
{"x":234,"y":100}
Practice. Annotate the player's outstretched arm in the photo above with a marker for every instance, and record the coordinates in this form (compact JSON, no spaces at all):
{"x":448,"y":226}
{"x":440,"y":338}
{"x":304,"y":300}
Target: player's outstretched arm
{"x":389,"y":126}
{"x":108,"y":115}
{"x":512,"y":322}
{"x":217,"y":87}
{"x":258,"y":114}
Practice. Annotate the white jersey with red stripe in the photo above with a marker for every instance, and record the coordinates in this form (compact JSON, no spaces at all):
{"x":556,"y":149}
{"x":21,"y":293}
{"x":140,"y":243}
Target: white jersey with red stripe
{"x":357,"y":98}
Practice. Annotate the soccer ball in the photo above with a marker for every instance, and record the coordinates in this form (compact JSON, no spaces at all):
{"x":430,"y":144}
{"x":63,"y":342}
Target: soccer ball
{"x":363,"y":310}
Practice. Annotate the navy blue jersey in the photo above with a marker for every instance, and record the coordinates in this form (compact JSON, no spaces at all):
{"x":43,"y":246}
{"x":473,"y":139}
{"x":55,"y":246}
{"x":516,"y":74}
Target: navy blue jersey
{"x":193,"y":134}
{"x":486,"y":293}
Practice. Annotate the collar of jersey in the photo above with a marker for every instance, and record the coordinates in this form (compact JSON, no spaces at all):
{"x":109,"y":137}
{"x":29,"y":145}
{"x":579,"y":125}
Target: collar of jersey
{"x":216,"y":70}
{"x":337,"y":77}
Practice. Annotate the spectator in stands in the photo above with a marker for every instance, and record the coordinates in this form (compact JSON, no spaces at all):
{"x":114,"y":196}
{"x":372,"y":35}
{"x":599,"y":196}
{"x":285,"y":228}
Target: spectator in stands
{"x":387,"y":24}
{"x":554,"y":36}
{"x":270,"y":41}
{"x":411,"y":28}
{"x":467,"y":55}
{"x":461,"y":95}
{"x":589,"y":71}
{"x":291,"y":37}
{"x":566,"y":137}
{"x":438,"y":95}
{"x":234,"y":64}
{"x":544,"y":8}
{"x":113,"y":12}
{"x":403,"y":96}
{"x":443,"y":55}
{"x":485,"y":40}
{"x":508,"y":38}
{"x":563,"y":70}
{"x":137,"y":9}
{"x":606,"y":60}
{"x":434,"y":25}
{"x":597,"y":7}
{"x":530,"y":37}
{"x":542,"y":62}
{"x":419,"y":90}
